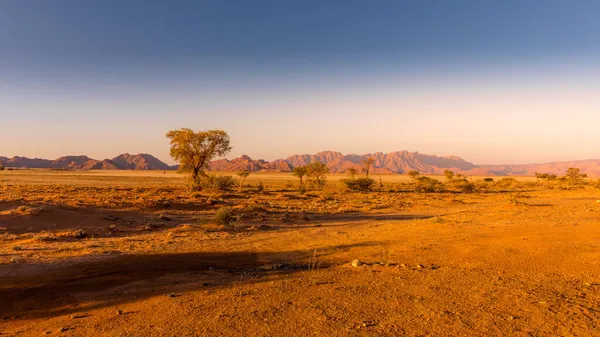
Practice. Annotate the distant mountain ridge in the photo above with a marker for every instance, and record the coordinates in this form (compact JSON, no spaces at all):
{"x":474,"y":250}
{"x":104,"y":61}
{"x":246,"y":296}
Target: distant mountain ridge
{"x":124,"y":161}
{"x":402,"y":162}
{"x":393,"y":162}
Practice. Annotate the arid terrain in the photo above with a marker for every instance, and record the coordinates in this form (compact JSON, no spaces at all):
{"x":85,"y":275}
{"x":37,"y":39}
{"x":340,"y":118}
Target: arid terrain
{"x":130,"y":253}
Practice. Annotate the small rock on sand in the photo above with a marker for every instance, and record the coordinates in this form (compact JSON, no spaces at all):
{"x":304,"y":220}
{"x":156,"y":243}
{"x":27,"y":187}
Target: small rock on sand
{"x":356,"y":263}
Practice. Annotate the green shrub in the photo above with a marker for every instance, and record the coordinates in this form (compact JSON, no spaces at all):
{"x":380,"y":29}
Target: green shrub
{"x":360,"y":184}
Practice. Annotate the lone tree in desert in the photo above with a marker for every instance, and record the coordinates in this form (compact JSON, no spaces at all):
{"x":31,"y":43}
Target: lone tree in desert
{"x":316,"y":173}
{"x":366,"y":165}
{"x":195,"y":150}
{"x":352,"y":172}
{"x":300,"y":172}
{"x":243,"y":175}
{"x":413,"y":174}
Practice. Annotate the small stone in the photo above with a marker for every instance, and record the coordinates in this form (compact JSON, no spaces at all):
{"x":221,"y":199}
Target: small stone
{"x":164,"y":217}
{"x":171,"y":295}
{"x":63,"y":329}
{"x":119,"y":312}
{"x":402,"y":265}
{"x":356,"y":263}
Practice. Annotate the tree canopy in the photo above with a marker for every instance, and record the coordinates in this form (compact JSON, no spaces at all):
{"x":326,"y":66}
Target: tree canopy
{"x":195,"y":150}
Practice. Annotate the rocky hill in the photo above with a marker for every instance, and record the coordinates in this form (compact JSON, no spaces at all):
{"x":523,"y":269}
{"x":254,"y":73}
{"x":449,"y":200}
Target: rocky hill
{"x":121,"y":162}
{"x":394,"y":162}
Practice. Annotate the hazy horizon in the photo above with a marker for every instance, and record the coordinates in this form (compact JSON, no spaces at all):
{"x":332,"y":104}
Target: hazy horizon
{"x":503,"y":83}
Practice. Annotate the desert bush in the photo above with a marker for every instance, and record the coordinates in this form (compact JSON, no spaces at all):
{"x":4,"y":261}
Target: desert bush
{"x":507,"y":183}
{"x":75,"y":233}
{"x":462,"y":185}
{"x":221,"y":183}
{"x":488,"y":180}
{"x":449,"y":175}
{"x":243,"y":175}
{"x":575,"y":177}
{"x":426,"y":184}
{"x":545,"y":176}
{"x":260,"y":187}
{"x":224,"y":216}
{"x":361,"y":184}
{"x":1,"y":168}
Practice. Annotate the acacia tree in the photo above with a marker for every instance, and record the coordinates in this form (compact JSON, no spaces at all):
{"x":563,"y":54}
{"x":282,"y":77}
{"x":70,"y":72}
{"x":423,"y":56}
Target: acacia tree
{"x":366,"y":165}
{"x":195,"y":150}
{"x":352,"y":172}
{"x":449,"y":175}
{"x":300,"y":172}
{"x":413,"y":174}
{"x":575,"y":176}
{"x":316,"y":173}
{"x":243,"y":175}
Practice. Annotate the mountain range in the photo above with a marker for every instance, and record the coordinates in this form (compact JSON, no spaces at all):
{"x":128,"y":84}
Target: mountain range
{"x":384,"y":163}
{"x":125,"y":161}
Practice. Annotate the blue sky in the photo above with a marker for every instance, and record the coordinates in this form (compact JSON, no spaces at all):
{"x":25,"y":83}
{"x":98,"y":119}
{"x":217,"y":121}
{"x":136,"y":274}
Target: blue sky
{"x":491,"y":81}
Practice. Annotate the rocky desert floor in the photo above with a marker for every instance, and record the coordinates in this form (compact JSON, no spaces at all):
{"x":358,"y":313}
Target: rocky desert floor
{"x":141,"y":255}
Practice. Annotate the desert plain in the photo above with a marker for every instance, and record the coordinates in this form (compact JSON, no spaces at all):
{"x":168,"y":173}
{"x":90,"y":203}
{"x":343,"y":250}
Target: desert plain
{"x":131,"y":253}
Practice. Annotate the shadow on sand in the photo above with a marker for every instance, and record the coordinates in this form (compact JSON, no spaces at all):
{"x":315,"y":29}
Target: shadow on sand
{"x":55,"y":289}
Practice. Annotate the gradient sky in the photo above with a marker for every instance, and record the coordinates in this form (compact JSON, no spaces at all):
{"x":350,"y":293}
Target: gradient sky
{"x":490,"y":81}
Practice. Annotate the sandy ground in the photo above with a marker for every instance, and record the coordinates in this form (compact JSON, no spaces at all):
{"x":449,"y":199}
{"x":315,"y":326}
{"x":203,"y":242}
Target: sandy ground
{"x":432,"y":264}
